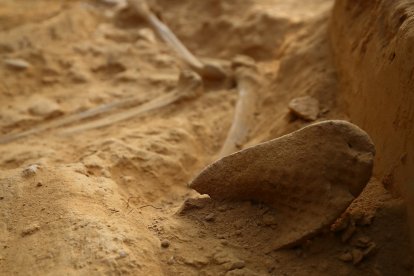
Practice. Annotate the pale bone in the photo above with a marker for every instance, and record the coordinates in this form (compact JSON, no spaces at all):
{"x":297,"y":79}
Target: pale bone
{"x":206,"y":70}
{"x":309,"y":176}
{"x":248,"y":85}
{"x":71,"y":119}
{"x":187,"y":80}
{"x":189,"y":87}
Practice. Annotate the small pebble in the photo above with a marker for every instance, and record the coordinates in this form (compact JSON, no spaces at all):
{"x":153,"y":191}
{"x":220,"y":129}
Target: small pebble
{"x":210,"y":217}
{"x":45,"y":108}
{"x":238,"y":265}
{"x":122,"y":254}
{"x":165,"y":244}
{"x":127,"y":178}
{"x":349,"y":231}
{"x":363,"y":242}
{"x":345,"y":257}
{"x":30,"y":230}
{"x":370,"y":249}
{"x":171,"y":261}
{"x":147,"y":34}
{"x":306,"y":108}
{"x":357,"y":256}
{"x":269,"y":219}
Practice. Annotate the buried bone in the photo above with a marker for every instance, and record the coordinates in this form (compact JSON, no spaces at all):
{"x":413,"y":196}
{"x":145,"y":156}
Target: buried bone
{"x":248,"y":84}
{"x":206,"y":70}
{"x":309,"y":176}
{"x":189,"y":87}
{"x":70,"y":119}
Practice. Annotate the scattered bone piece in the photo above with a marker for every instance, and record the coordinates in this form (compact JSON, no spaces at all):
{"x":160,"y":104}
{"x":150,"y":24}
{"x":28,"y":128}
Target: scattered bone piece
{"x":306,"y":108}
{"x":309,"y":176}
{"x":30,"y":170}
{"x":206,"y":70}
{"x":189,"y":86}
{"x":18,"y":64}
{"x":248,"y":84}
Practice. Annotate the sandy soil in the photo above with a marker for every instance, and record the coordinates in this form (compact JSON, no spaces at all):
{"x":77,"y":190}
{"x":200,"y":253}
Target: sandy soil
{"x":110,"y":200}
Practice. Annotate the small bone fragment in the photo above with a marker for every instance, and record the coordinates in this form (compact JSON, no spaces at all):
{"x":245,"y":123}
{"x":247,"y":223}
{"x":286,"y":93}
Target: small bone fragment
{"x":248,"y":84}
{"x":209,"y":71}
{"x":30,"y":170}
{"x":18,"y":64}
{"x":309,"y":176}
{"x":189,"y":87}
{"x":306,"y":108}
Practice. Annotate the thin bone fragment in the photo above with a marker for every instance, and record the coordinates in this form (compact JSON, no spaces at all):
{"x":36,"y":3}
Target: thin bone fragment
{"x":248,"y":84}
{"x":130,"y":101}
{"x":189,"y":87}
{"x":186,"y":79}
{"x":206,"y":70}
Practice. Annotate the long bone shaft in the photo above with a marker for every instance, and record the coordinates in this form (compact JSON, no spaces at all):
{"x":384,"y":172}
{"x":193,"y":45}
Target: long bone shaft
{"x":71,"y":119}
{"x":210,"y":71}
{"x":248,"y":84}
{"x":189,"y":86}
{"x":189,"y":83}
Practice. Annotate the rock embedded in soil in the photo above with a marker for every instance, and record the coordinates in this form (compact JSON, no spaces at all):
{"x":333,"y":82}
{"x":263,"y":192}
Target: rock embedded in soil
{"x":45,"y":108}
{"x":31,"y":229}
{"x":346,"y":257}
{"x":165,"y":243}
{"x":306,"y":108}
{"x":309,"y":176}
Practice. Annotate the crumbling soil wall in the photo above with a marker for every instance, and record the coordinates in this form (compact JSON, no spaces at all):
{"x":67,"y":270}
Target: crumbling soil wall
{"x":374,"y":50}
{"x":373,"y":44}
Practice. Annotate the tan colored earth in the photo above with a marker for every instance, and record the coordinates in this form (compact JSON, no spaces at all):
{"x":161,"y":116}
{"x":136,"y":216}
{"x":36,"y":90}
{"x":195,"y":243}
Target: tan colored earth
{"x":115,"y":200}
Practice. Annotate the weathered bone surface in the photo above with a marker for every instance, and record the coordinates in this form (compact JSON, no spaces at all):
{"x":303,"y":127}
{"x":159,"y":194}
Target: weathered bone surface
{"x":189,"y":87}
{"x":309,"y":176}
{"x":130,"y":101}
{"x":206,"y":70}
{"x":248,"y":84}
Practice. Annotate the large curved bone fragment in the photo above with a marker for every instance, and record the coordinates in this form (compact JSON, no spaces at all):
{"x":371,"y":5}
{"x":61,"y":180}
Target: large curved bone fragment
{"x":209,"y":71}
{"x":189,"y":86}
{"x":248,"y":84}
{"x":309,"y":177}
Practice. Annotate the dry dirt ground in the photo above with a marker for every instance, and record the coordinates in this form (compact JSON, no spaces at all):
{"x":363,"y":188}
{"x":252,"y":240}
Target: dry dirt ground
{"x":107,"y":200}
